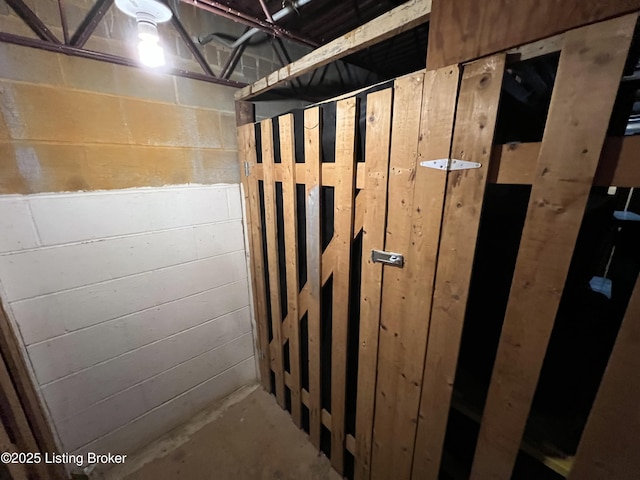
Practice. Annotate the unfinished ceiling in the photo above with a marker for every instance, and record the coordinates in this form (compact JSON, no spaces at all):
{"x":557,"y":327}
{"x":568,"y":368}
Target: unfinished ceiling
{"x":274,"y":25}
{"x":317,"y":22}
{"x":310,"y":23}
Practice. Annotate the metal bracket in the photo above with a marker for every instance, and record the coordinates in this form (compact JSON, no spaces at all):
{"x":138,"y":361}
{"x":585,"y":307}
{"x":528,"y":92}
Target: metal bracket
{"x":388,"y":258}
{"x":247,"y":171}
{"x":449,"y":164}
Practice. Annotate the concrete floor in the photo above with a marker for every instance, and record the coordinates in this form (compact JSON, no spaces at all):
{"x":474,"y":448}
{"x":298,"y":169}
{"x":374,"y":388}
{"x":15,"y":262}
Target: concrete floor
{"x":251,"y":439}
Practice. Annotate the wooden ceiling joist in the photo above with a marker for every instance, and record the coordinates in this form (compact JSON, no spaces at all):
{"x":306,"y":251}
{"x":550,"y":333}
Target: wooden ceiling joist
{"x":394,"y":22}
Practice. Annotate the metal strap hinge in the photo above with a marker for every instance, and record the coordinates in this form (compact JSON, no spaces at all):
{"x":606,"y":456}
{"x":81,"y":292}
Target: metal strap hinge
{"x":247,"y":171}
{"x":449,"y":164}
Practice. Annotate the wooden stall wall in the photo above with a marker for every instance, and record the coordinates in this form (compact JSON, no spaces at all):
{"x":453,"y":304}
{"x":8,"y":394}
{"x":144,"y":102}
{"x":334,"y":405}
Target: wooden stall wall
{"x":592,"y":59}
{"x":23,"y":428}
{"x":364,"y":355}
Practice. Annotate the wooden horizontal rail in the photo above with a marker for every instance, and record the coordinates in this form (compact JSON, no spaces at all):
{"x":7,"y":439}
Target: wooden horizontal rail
{"x":350,"y":441}
{"x":619,"y":163}
{"x":329,"y":178}
{"x":394,"y":22}
{"x":515,"y":163}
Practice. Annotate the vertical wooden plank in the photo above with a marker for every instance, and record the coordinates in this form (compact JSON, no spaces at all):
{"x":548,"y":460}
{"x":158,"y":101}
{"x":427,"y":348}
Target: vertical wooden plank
{"x":247,"y":153}
{"x":15,"y":418}
{"x":592,"y":60}
{"x":436,"y":130}
{"x":266,"y":127}
{"x":472,"y":138}
{"x":402,"y":171}
{"x":343,"y":235}
{"x":26,"y":394}
{"x":313,"y":178}
{"x":358,"y":215}
{"x":378,"y":139}
{"x":609,"y":445}
{"x":16,"y":471}
{"x":407,"y":318}
{"x":289,"y":202}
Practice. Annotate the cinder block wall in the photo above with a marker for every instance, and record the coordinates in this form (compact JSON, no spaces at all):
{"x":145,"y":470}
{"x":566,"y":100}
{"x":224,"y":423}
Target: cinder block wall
{"x":131,"y":302}
{"x":74,"y":124}
{"x":133,"y":306}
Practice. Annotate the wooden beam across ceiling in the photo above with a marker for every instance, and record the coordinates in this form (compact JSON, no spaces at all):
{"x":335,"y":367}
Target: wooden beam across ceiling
{"x":462,"y":30}
{"x":394,"y":22}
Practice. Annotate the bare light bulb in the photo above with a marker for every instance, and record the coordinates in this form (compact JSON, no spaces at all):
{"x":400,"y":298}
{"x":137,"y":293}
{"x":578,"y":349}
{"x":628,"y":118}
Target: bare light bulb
{"x":149,"y":49}
{"x":151,"y":54}
{"x":148,"y":13}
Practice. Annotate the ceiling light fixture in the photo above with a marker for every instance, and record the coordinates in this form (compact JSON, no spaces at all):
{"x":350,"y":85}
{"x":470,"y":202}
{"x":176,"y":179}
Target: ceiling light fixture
{"x":148,"y":13}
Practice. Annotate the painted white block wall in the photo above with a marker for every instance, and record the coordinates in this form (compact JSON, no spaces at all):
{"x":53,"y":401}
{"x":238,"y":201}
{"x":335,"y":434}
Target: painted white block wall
{"x":132,"y":306}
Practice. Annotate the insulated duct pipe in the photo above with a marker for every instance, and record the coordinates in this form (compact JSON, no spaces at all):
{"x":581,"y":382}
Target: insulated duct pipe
{"x":279,"y":15}
{"x":227,"y":12}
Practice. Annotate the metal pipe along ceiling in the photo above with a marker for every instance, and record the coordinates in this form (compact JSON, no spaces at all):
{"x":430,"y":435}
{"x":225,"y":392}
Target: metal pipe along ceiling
{"x":237,"y":16}
{"x":279,"y":15}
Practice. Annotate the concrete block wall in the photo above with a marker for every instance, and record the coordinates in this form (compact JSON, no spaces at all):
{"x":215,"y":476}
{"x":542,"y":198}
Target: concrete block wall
{"x":70,"y":124}
{"x":132,"y":306}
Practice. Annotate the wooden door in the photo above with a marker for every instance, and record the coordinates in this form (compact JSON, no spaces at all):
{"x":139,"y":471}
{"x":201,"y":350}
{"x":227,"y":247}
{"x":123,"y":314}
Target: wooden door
{"x":315,"y":215}
{"x":342,"y":343}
